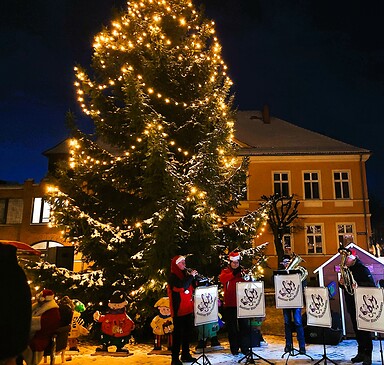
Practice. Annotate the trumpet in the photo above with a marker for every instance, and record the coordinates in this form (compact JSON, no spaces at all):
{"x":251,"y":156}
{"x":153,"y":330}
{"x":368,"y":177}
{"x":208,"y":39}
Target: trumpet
{"x":200,"y":278}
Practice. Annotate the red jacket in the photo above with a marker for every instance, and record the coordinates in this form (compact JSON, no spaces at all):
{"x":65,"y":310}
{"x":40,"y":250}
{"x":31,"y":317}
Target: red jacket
{"x":180,"y":291}
{"x":116,"y":324}
{"x":229,"y":281}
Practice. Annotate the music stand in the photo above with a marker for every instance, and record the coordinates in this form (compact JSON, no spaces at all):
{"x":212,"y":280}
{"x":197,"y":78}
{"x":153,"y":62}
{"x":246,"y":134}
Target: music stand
{"x":206,"y":311}
{"x":324,"y":357}
{"x":203,"y":356}
{"x":292,"y":351}
{"x":250,"y":355}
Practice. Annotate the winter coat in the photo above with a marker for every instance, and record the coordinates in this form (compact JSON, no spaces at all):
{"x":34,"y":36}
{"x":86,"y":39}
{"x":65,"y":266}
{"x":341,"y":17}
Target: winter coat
{"x":116,"y":323}
{"x":363,"y":277}
{"x":229,"y":280}
{"x":180,"y":291}
{"x":45,"y":321}
{"x":15,"y":304}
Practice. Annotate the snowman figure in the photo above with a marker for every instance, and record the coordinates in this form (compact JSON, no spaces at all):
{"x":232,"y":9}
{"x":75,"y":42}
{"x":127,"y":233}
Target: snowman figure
{"x":162,"y":324}
{"x":116,"y":326}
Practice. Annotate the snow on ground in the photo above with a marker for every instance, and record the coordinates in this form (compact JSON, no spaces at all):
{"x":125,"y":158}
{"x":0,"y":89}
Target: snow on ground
{"x":273,"y":353}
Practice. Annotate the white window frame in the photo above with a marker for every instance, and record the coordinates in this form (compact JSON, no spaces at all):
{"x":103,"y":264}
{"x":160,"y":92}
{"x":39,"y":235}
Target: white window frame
{"x":311,"y":181}
{"x":40,"y":211}
{"x":340,"y":181}
{"x":353,"y":233}
{"x":281,"y":181}
{"x":314,"y":235}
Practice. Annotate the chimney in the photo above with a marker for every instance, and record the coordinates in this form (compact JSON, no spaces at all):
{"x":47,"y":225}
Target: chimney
{"x":266,"y":116}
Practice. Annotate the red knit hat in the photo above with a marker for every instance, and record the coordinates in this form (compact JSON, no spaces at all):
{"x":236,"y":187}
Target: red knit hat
{"x":234,"y":256}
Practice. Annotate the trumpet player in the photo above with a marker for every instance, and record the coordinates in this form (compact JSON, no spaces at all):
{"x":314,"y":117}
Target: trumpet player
{"x":361,"y":276}
{"x":228,"y":277}
{"x":181,"y":285}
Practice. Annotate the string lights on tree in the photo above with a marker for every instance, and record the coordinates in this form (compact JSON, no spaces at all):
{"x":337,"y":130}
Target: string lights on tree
{"x":159,"y":174}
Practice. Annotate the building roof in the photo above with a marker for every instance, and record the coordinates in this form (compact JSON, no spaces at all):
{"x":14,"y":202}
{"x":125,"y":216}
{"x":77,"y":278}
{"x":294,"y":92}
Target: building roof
{"x":260,"y":136}
{"x":351,"y":246}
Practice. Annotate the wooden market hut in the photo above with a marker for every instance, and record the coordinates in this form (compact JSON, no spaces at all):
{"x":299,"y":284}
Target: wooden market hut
{"x":329,"y":272}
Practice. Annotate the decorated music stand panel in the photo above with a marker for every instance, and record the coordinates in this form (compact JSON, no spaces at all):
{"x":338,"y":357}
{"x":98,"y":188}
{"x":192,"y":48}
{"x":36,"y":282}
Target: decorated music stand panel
{"x":206,"y":305}
{"x":250,"y":299}
{"x":288,"y":291}
{"x":318,"y":307}
{"x":370,"y":309}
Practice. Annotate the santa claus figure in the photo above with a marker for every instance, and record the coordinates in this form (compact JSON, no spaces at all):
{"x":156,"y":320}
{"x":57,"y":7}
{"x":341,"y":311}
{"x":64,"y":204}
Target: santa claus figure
{"x":116,"y":326}
{"x":162,"y":324}
{"x":45,"y":321}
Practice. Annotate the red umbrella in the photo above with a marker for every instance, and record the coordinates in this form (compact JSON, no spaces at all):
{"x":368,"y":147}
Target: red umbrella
{"x":21,"y":246}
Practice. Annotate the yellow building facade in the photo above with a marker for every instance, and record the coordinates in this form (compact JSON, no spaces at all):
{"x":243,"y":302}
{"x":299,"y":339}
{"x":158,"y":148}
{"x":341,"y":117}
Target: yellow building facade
{"x":327,"y":177}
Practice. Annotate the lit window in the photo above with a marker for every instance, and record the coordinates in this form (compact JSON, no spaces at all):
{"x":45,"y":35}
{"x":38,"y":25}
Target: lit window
{"x":314,"y":239}
{"x":341,"y":181}
{"x":280,"y":183}
{"x":41,"y":211}
{"x":311,"y":185}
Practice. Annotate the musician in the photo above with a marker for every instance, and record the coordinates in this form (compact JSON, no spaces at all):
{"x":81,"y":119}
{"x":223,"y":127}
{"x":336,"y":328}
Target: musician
{"x":363,"y":277}
{"x":181,"y":285}
{"x":229,"y":276}
{"x":297,"y":322}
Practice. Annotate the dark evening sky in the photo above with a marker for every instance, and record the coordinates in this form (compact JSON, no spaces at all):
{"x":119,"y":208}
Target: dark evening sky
{"x":318,"y":64}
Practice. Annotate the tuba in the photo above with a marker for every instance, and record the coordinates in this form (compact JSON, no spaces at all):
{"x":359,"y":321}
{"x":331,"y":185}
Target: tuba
{"x":346,"y":274}
{"x":294,"y":265}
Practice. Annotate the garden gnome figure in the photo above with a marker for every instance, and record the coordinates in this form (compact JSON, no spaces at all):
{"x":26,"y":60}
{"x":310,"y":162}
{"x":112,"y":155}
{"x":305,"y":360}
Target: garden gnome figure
{"x":162,"y":324}
{"x":116,"y":326}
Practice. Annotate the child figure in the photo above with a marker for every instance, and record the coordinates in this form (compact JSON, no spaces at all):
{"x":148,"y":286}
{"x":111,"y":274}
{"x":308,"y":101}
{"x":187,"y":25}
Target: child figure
{"x":77,"y":326}
{"x":116,"y":326}
{"x":162,"y":324}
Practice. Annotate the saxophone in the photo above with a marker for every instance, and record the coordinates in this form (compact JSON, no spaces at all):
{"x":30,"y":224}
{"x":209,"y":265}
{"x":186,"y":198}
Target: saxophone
{"x":294,"y":265}
{"x":346,"y":274}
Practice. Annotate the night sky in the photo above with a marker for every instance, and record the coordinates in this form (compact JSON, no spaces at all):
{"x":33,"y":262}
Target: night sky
{"x":317,"y":64}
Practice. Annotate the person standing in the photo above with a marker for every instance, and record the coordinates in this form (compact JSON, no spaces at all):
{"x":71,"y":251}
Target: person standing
{"x":15,"y":306}
{"x":228,"y":277}
{"x":181,"y":285}
{"x":293,"y":320}
{"x":362,"y":277}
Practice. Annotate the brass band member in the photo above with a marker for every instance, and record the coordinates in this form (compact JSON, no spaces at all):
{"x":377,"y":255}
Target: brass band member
{"x":360,"y":276}
{"x":229,"y":276}
{"x":288,"y":313}
{"x":181,"y":285}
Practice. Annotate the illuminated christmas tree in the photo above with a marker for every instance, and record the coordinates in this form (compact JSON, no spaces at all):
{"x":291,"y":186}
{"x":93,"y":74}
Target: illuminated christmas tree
{"x":159,"y":174}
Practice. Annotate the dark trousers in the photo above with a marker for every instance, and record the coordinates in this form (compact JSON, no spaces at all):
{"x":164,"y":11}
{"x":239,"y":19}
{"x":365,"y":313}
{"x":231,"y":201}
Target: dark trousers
{"x":363,"y":338}
{"x":182,"y":332}
{"x":235,"y":327}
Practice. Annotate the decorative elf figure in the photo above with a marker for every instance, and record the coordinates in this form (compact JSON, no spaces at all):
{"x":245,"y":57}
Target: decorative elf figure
{"x":116,"y":326}
{"x":77,"y":326}
{"x":162,"y":324}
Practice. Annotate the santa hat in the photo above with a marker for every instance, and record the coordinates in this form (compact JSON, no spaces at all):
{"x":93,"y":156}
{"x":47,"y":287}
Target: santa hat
{"x":46,"y":295}
{"x":234,"y":256}
{"x":179,"y":259}
{"x":118,"y":297}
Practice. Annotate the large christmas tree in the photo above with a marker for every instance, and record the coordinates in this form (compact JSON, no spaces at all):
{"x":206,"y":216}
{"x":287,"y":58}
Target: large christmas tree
{"x":159,"y":174}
